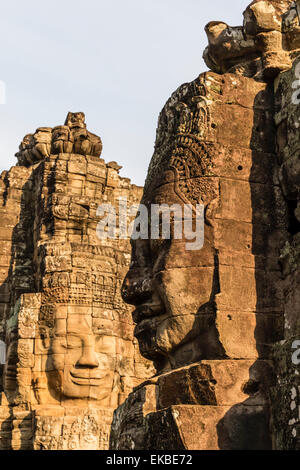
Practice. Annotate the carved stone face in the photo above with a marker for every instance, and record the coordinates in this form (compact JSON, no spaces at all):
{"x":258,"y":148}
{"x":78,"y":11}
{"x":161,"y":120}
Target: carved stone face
{"x":42,"y":139}
{"x":173,"y":290}
{"x":27,"y":142}
{"x":82,"y":144}
{"x":83,"y":369}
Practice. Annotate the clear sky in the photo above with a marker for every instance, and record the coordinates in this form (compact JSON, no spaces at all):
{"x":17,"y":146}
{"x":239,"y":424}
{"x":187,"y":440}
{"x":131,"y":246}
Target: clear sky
{"x":116,"y":60}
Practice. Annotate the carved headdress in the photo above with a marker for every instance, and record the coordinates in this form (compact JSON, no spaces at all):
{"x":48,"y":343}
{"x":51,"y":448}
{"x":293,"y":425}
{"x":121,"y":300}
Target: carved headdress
{"x":73,"y":137}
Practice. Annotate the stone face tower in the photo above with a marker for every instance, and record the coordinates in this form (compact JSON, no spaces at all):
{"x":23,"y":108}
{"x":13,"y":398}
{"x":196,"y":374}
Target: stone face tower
{"x":70,"y":353}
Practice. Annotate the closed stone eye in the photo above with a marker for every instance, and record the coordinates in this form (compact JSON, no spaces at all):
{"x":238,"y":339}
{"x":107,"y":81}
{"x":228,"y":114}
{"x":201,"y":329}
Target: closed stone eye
{"x":73,"y":345}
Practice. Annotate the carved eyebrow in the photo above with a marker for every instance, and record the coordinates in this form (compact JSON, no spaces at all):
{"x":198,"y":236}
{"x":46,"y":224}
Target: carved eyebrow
{"x":79,"y":330}
{"x":82,"y":332}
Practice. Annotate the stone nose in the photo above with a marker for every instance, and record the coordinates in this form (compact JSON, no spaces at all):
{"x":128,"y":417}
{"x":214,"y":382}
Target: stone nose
{"x":88,"y":358}
{"x":137,"y":287}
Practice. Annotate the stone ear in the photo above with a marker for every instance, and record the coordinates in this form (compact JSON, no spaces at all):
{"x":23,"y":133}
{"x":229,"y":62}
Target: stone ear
{"x":42,"y":344}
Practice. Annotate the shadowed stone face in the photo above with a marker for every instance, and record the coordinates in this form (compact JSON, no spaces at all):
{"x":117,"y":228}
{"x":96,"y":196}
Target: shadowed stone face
{"x":61,"y":140}
{"x":78,"y":357}
{"x":70,"y":354}
{"x":182,"y":297}
{"x":172,"y":289}
{"x":212,"y":306}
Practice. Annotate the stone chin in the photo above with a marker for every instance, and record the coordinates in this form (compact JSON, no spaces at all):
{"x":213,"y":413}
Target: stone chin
{"x":70,"y":389}
{"x":146,"y":334}
{"x":161,"y":337}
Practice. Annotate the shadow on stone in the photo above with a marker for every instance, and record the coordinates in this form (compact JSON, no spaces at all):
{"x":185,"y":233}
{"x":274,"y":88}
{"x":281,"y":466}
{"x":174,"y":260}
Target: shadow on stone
{"x":244,"y":426}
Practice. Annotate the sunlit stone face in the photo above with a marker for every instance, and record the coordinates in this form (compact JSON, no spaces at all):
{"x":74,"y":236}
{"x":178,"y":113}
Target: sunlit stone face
{"x":83,"y":368}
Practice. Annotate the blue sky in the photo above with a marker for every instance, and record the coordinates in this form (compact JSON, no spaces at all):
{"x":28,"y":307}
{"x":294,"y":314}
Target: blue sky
{"x":116,"y":60}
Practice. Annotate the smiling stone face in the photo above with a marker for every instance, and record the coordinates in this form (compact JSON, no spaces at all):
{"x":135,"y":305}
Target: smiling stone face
{"x":78,"y":358}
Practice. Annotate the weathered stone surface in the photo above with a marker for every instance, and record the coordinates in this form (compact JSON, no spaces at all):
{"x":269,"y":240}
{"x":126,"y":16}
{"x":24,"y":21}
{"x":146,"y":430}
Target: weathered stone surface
{"x":202,"y":305}
{"x":210,"y":428}
{"x":197,"y":407}
{"x":204,"y":298}
{"x":73,"y":137}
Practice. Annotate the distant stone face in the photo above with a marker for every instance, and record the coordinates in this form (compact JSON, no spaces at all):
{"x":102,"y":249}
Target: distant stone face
{"x":70,"y":353}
